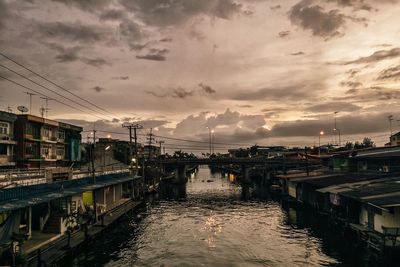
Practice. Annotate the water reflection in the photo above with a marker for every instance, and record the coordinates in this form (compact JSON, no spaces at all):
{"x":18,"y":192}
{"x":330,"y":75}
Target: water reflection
{"x":213,"y":221}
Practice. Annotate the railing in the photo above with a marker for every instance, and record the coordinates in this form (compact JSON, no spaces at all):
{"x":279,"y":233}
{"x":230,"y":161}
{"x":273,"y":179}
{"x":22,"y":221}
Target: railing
{"x":25,"y":177}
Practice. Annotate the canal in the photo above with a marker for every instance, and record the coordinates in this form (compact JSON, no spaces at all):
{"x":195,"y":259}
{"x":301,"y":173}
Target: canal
{"x":214,"y":226}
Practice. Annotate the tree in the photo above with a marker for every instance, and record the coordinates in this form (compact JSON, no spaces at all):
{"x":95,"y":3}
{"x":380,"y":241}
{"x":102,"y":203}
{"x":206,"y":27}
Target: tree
{"x":367,"y":142}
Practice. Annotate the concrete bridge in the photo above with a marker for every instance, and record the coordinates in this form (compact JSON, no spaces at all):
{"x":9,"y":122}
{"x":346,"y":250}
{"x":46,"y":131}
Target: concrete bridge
{"x":267,"y":164}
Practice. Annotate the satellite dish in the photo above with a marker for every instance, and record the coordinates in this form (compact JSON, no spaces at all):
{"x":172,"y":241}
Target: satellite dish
{"x":23,"y":109}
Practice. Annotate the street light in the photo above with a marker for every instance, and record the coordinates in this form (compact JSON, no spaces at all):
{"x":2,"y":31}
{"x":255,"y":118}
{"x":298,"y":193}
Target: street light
{"x":104,"y":155}
{"x":319,"y":142}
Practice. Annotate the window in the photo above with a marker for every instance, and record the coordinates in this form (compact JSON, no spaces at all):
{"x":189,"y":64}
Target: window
{"x":4,"y":127}
{"x":3,"y":149}
{"x":60,"y":151}
{"x":46,"y":132}
{"x":61,"y":135}
{"x":30,"y":148}
{"x":45,"y":150}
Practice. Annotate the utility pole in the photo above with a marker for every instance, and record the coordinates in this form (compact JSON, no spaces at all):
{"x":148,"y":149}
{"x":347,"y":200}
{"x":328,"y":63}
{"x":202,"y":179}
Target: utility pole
{"x":151,"y":139}
{"x":135,"y":127}
{"x":390,"y":118}
{"x":161,"y":142}
{"x":46,"y":109}
{"x":30,"y":101}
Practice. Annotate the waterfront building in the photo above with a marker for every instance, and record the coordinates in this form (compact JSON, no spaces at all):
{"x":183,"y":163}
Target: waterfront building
{"x":395,"y":139}
{"x":151,"y":151}
{"x":46,"y":143}
{"x":7,"y":142}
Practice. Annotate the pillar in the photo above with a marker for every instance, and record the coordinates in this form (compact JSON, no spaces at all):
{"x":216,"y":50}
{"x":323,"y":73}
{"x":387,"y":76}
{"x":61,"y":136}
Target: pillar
{"x":29,"y":223}
{"x":180,"y":174}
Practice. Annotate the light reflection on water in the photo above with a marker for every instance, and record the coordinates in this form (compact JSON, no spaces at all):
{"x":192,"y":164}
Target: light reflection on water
{"x":214,"y":227}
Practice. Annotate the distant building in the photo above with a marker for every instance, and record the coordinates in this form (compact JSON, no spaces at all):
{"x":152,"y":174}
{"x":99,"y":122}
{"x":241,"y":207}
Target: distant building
{"x":151,"y":151}
{"x":7,"y":142}
{"x":46,"y":143}
{"x":394,"y":140}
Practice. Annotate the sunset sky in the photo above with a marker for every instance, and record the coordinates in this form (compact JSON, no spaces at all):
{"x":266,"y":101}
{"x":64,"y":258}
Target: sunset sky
{"x":256,"y":71}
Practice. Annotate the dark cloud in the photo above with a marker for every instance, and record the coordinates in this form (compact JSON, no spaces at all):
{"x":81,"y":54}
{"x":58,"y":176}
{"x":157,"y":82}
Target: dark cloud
{"x":112,"y":14}
{"x":333,"y":106}
{"x":86,"y":5}
{"x":284,"y":34}
{"x":65,"y":54}
{"x":166,"y":40}
{"x":276,"y":7}
{"x":174,"y":93}
{"x":181,"y":93}
{"x":392,"y":74}
{"x":297,"y":53}
{"x":76,"y":31}
{"x":206,"y":88}
{"x":155,"y":54}
{"x":98,"y":89}
{"x":356,"y":4}
{"x":96,"y":62}
{"x":165,"y":12}
{"x":245,"y":106}
{"x":3,"y":13}
{"x":313,"y":17}
{"x":370,"y":94}
{"x":376,"y":56}
{"x":132,"y":33}
{"x":351,"y":84}
{"x":121,"y":78}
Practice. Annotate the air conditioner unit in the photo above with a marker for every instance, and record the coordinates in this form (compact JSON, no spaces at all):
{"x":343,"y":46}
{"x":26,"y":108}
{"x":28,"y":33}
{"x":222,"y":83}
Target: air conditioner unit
{"x":6,"y":138}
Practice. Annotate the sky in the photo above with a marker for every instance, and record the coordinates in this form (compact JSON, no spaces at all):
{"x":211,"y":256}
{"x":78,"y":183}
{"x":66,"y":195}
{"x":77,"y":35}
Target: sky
{"x":262,"y":72}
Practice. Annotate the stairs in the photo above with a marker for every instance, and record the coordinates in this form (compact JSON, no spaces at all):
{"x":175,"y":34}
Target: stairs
{"x":53,"y":224}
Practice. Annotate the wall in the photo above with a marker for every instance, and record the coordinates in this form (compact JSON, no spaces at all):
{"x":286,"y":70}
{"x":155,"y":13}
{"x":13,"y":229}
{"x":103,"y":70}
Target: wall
{"x":387,"y":219}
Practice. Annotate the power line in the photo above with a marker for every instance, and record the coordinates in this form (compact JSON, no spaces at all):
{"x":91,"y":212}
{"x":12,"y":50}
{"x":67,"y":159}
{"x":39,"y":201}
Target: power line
{"x":55,"y":92}
{"x":39,"y":93}
{"x":55,"y":84}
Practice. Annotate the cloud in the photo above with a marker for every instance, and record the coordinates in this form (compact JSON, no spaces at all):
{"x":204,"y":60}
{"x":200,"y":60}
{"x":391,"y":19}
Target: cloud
{"x":314,"y":18}
{"x":166,"y":40}
{"x":155,"y":54}
{"x":348,"y":125}
{"x":376,"y":57}
{"x":65,"y":54}
{"x":96,"y":62}
{"x":3,"y":13}
{"x":276,"y":7}
{"x":206,"y":88}
{"x":297,"y":53}
{"x":112,"y":14}
{"x":351,"y":84}
{"x":98,"y":89}
{"x":166,"y":13}
{"x":283,"y":34}
{"x":333,"y":106}
{"x":245,"y":106}
{"x":86,"y":5}
{"x":294,"y":91}
{"x":120,"y":78}
{"x":392,"y":74}
{"x":174,"y":93}
{"x":356,"y":4}
{"x":131,"y":32}
{"x":73,"y":31}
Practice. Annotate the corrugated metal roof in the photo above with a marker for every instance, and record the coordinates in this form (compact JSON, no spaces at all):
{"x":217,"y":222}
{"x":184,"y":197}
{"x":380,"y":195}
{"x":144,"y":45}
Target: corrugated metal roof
{"x":62,"y":189}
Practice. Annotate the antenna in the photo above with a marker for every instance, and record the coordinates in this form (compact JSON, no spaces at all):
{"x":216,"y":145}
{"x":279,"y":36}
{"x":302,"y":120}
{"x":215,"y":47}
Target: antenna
{"x":46,"y":109}
{"x":30,"y":101}
{"x":390,"y":118}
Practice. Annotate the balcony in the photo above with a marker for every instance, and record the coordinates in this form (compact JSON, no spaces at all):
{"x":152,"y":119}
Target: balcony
{"x":7,"y":160}
{"x":7,"y":139}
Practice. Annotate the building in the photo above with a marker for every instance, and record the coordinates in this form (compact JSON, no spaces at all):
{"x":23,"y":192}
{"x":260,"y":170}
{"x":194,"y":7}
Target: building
{"x":151,"y":151}
{"x":7,"y":142}
{"x":395,"y":139}
{"x":46,"y":143}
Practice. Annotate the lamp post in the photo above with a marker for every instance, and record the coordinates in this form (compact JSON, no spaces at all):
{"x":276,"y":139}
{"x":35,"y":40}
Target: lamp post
{"x":319,"y":142}
{"x":104,"y":156}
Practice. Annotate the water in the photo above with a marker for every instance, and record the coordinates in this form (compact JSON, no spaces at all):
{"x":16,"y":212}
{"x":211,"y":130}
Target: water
{"x":213,"y":226}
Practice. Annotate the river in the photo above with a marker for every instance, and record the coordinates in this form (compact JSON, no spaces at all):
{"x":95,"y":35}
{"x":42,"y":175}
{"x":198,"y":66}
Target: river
{"x":214,"y":226}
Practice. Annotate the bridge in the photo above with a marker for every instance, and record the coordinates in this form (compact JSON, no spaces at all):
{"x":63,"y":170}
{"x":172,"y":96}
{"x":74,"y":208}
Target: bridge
{"x":267,"y":164}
